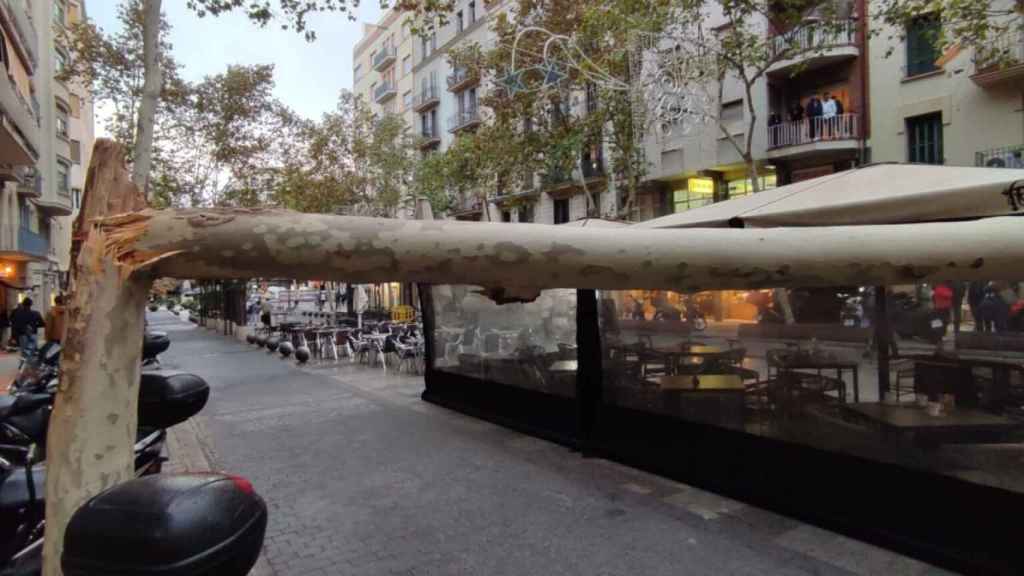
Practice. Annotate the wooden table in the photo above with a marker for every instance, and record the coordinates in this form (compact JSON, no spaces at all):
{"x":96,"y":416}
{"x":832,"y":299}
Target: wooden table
{"x":794,"y":362}
{"x":700,"y":382}
{"x":961,"y":424}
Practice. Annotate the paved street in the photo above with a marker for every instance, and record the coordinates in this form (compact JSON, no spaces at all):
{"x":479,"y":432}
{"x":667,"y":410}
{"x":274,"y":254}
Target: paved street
{"x":362,"y":477}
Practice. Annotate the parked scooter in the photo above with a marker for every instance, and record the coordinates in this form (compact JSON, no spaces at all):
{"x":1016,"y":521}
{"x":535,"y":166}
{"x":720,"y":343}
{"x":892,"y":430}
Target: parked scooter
{"x":164,"y":400}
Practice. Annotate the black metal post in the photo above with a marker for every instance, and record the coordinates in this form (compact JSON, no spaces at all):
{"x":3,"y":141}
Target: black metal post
{"x":588,"y":369}
{"x":883,"y":339}
{"x":429,"y":334}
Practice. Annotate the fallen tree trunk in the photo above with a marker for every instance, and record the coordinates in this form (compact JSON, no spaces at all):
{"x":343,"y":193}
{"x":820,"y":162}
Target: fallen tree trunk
{"x":263,"y":243}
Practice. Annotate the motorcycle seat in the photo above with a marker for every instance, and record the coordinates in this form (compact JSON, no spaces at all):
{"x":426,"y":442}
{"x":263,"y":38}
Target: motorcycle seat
{"x":16,"y":405}
{"x":154,"y":344}
{"x":14,"y":492}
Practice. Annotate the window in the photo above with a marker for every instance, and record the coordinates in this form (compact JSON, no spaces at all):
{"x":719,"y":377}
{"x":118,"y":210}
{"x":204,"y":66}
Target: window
{"x":357,"y":73}
{"x":76,"y":198}
{"x":407,"y":65}
{"x":561,"y":211}
{"x":373,"y":91}
{"x":429,"y":44}
{"x":406,"y":30}
{"x":506,"y":216}
{"x":76,"y":151}
{"x":60,"y":61}
{"x":62,"y":121}
{"x":59,"y":12}
{"x":407,"y":100}
{"x":428,"y":122}
{"x":732,"y":112}
{"x":924,"y":139}
{"x":472,"y":12}
{"x":63,"y":178}
{"x":459,"y":23}
{"x":526,"y":213}
{"x":921,"y":49}
{"x":745,"y":187}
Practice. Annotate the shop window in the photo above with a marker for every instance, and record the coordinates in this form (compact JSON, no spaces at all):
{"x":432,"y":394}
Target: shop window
{"x":561,"y":211}
{"x":698,"y":192}
{"x":738,"y":188}
{"x":922,"y":53}
{"x":924,"y":139}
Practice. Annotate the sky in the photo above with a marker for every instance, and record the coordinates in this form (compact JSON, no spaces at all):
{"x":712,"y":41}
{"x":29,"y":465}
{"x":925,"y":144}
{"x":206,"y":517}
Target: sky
{"x":309,"y":75}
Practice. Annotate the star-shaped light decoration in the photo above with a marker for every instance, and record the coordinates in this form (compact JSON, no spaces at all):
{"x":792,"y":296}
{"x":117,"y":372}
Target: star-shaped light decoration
{"x":512,"y":82}
{"x":553,"y":74}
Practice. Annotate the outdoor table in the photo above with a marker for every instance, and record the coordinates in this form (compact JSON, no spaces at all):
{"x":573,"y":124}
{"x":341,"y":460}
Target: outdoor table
{"x":699,"y":382}
{"x":958,"y":425}
{"x":957,"y":376}
{"x":794,"y":362}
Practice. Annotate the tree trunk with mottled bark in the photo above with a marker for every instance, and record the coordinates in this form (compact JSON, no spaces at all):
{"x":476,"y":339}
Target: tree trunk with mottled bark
{"x":152,"y":82}
{"x":92,"y":427}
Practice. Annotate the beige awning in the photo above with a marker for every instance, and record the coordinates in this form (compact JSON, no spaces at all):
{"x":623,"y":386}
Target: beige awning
{"x":875,"y":194}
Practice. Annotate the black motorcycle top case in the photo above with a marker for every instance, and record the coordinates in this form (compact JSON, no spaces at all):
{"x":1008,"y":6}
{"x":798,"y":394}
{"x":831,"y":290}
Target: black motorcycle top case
{"x":171,"y":525}
{"x":168,"y":398}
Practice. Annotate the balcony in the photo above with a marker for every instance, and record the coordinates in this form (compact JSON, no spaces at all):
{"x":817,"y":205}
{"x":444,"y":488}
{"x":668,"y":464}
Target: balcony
{"x":384,"y":57}
{"x":428,"y":139}
{"x":30,"y":183}
{"x":814,"y":45}
{"x":464,"y":205}
{"x":384,"y":92}
{"x":18,"y":13}
{"x":461,"y":79}
{"x":19,"y":129}
{"x":1006,"y":157}
{"x":1000,"y":62}
{"x":33,"y":244}
{"x":814,"y":136}
{"x":426,"y":99}
{"x":464,"y":120}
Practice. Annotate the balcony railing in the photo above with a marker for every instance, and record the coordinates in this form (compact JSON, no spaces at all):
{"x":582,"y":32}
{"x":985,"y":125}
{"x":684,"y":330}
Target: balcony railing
{"x":19,"y":11}
{"x":426,"y":99}
{"x":429,"y":138}
{"x":462,"y":78}
{"x":464,"y":120}
{"x":1005,"y":157}
{"x":812,"y":37}
{"x":813,"y":130}
{"x":384,"y":57}
{"x":384,"y":92}
{"x":32,"y":243}
{"x":467,"y":204}
{"x":1001,"y":60}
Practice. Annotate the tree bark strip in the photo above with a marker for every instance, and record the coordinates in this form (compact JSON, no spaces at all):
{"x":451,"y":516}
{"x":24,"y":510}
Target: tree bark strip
{"x":92,"y":427}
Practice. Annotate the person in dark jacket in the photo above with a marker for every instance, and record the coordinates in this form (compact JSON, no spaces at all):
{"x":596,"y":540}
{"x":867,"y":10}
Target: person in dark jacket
{"x":813,"y":114}
{"x":25,"y":322}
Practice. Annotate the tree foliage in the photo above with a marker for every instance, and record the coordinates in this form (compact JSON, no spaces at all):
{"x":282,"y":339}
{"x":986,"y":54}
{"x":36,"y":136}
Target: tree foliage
{"x":967,"y":23}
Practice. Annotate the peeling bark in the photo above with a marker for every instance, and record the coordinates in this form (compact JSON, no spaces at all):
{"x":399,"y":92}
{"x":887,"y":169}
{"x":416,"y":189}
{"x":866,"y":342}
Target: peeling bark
{"x":92,"y":428}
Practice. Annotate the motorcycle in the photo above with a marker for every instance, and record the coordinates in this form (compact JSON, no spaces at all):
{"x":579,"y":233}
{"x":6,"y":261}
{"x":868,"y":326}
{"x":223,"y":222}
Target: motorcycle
{"x":165,"y":399}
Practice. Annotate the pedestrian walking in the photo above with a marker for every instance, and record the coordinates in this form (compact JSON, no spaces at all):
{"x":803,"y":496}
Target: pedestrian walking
{"x":975,"y":294}
{"x":942,"y":302}
{"x":56,"y":321}
{"x":994,"y":311}
{"x":265,"y":313}
{"x":321,"y":300}
{"x":25,"y":322}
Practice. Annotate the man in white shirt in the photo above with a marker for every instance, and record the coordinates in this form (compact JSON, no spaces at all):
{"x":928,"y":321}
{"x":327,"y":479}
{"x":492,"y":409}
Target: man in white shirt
{"x":828,"y":114}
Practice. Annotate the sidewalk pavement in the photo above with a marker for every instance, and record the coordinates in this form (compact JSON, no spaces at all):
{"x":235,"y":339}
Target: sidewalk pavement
{"x":362,"y":477}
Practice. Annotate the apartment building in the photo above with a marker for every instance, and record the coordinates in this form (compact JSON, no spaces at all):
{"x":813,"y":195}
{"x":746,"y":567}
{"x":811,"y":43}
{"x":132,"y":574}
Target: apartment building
{"x":382,"y":64}
{"x":962,"y":107}
{"x":47,"y":137}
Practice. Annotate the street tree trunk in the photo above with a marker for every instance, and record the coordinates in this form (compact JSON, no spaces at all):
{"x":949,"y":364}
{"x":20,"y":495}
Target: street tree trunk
{"x":152,"y":83}
{"x":92,"y":427}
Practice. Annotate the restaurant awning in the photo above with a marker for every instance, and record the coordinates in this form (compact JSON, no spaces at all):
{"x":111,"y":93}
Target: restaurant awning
{"x":874,"y":194}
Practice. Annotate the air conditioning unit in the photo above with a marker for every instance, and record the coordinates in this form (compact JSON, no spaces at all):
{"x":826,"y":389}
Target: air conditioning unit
{"x":1009,"y":159}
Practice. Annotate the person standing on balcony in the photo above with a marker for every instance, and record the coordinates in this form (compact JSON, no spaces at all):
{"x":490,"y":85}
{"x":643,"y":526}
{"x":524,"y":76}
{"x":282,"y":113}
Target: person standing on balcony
{"x":828,"y":116}
{"x":814,"y":111}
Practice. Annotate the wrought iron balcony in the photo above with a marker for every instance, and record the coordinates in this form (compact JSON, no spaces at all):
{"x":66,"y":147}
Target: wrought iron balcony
{"x":429,"y":139}
{"x":426,"y":99}
{"x":819,"y":130}
{"x":822,"y":42}
{"x":462,"y":78}
{"x":464,"y":120}
{"x":1000,"y":61}
{"x":384,"y":92}
{"x":384,"y":57}
{"x":1005,"y":157}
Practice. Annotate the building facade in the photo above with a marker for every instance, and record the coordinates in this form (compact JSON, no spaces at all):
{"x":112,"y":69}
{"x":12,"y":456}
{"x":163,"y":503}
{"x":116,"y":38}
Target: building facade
{"x":50,"y":124}
{"x":963,"y":107}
